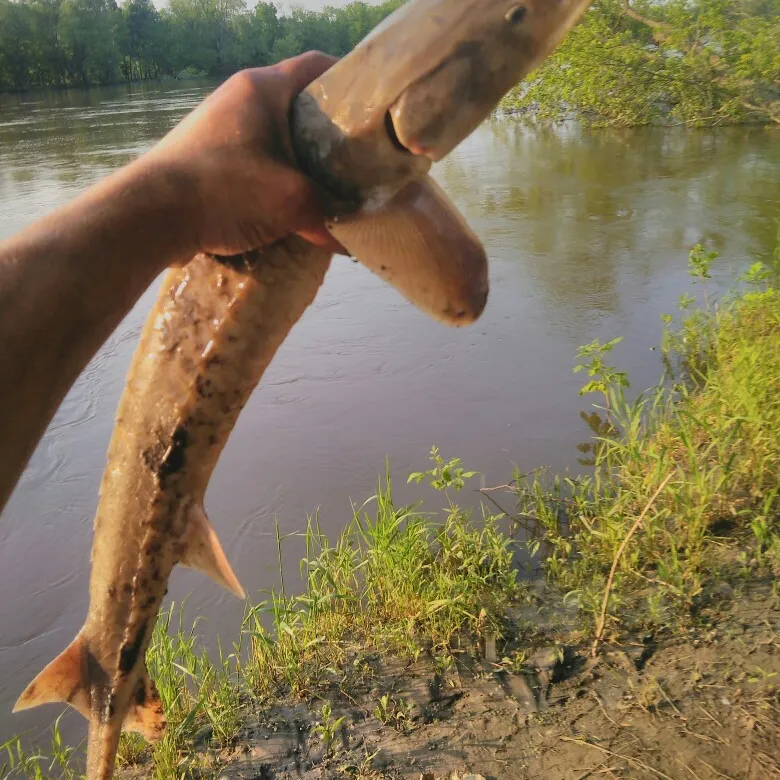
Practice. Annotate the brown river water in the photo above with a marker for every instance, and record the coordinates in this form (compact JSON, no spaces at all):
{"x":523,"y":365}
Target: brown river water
{"x":588,"y":233}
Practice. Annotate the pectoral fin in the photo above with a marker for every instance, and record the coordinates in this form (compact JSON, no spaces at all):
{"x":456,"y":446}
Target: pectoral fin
{"x":62,"y":680}
{"x":202,"y":551}
{"x":419,"y":243}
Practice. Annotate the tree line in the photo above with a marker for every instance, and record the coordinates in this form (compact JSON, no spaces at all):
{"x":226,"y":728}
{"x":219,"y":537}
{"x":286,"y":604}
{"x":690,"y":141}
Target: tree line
{"x":629,"y":62}
{"x":54,"y":43}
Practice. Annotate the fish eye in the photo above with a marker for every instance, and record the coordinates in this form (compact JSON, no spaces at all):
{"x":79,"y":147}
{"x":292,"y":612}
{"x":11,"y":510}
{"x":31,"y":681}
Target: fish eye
{"x":516,"y":14}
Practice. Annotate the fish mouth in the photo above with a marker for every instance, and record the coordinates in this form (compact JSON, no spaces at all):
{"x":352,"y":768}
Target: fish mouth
{"x":412,"y":146}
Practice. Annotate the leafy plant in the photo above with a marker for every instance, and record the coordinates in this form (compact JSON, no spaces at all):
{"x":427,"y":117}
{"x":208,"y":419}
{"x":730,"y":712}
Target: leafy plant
{"x":328,"y":727}
{"x":443,"y":475}
{"x":395,"y":712}
{"x":605,"y":379}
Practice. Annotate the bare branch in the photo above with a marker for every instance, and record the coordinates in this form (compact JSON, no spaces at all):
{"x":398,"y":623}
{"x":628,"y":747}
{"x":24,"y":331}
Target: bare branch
{"x":661,"y":30}
{"x":763,"y":110}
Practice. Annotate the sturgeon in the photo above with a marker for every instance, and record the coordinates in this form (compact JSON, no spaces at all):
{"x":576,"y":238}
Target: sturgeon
{"x":367,"y":130}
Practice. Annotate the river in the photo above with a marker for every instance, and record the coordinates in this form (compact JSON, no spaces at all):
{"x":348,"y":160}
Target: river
{"x":587,"y":232}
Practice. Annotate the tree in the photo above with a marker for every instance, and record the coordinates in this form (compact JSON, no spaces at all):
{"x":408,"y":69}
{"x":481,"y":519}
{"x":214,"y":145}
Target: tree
{"x":629,"y":62}
{"x":15,"y":49}
{"x":205,"y":33}
{"x":48,"y":60}
{"x":142,"y":44}
{"x":685,"y":61}
{"x":86,"y":31}
{"x":257,"y":33}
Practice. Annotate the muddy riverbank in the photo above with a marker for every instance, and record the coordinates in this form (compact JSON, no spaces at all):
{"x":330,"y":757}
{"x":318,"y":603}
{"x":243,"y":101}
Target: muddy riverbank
{"x":700,"y":703}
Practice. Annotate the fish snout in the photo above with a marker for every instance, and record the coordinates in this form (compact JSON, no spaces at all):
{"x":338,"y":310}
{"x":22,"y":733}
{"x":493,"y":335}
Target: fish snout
{"x":471,"y":299}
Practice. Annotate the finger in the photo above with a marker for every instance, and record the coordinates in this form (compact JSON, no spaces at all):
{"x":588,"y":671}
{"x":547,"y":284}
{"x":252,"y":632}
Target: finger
{"x":309,"y":215}
{"x":321,"y":238}
{"x":300,"y":71}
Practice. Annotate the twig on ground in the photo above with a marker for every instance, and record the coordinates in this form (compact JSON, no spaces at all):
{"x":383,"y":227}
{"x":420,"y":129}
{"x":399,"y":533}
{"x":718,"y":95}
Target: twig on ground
{"x":685,"y":766}
{"x":668,"y":700}
{"x":613,"y":754}
{"x":616,"y":561}
{"x":589,"y":772}
{"x":603,"y":710}
{"x":713,"y":770}
{"x":710,"y":716}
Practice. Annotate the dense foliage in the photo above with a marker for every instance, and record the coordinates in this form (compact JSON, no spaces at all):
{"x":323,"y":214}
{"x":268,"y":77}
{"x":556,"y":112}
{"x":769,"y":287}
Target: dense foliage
{"x":629,"y":62}
{"x":636,"y":62}
{"x":83,"y":42}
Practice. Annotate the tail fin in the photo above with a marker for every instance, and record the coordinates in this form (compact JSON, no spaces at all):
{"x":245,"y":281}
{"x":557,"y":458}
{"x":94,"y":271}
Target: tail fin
{"x":419,"y":243}
{"x":144,"y":714}
{"x":66,"y":679}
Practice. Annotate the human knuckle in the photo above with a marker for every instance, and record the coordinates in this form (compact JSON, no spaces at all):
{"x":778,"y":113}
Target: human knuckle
{"x":244,"y":83}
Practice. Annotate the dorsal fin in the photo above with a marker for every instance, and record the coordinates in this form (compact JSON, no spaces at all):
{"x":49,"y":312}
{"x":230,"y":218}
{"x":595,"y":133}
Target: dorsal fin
{"x":62,"y":680}
{"x":146,"y":714}
{"x":202,"y":551}
{"x":419,"y":243}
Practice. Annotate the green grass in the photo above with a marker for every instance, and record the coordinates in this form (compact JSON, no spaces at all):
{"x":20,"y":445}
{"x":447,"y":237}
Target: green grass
{"x":196,"y":693}
{"x":683,"y":485}
{"x":395,"y":581}
{"x":711,"y":431}
{"x":60,"y":762}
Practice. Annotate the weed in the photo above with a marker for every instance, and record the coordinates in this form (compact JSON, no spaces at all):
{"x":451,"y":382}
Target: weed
{"x":395,"y":581}
{"x":328,"y":727}
{"x":395,"y":712}
{"x":443,"y":475}
{"x":604,"y":378}
{"x":61,"y":763}
{"x":761,"y":675}
{"x":364,"y":770}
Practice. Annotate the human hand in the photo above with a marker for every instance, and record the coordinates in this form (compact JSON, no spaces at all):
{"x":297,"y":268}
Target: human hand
{"x":232,"y":160}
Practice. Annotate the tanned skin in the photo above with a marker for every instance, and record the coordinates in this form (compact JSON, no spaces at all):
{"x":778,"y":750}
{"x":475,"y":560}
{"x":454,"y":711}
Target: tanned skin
{"x":223,"y":181}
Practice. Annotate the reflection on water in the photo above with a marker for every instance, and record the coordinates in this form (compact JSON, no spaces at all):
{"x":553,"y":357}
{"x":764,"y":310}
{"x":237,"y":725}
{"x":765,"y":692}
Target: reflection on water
{"x":587,"y":232}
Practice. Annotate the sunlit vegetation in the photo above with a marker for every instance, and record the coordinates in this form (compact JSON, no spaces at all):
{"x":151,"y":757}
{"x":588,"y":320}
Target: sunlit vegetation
{"x":634,"y":62}
{"x":88,"y":42}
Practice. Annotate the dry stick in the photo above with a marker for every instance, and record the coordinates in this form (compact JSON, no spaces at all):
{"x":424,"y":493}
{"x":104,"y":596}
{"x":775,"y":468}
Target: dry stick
{"x":589,"y":772}
{"x":713,"y":770}
{"x":603,"y":711}
{"x":614,"y":754}
{"x":685,"y":766}
{"x":618,"y":555}
{"x":710,"y":716}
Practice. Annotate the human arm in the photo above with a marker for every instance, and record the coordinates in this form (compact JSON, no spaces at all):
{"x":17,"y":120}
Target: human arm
{"x":223,"y":181}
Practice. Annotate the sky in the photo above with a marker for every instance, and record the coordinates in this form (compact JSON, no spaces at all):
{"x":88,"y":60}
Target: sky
{"x":285,"y":5}
{"x":313,"y":5}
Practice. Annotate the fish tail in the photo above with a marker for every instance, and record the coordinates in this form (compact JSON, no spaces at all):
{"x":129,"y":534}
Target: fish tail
{"x":76,"y":678}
